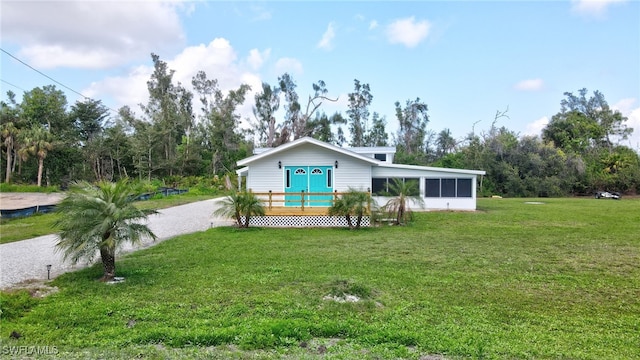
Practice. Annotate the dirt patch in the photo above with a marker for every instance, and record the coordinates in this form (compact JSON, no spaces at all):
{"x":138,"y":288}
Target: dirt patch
{"x":37,"y":288}
{"x":17,"y":200}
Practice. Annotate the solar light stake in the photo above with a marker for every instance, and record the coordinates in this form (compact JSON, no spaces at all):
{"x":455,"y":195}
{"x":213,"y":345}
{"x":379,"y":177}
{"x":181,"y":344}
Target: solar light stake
{"x":48,"y":272}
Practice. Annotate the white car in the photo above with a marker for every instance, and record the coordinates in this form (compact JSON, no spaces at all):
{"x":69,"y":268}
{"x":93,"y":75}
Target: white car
{"x":608,"y":195}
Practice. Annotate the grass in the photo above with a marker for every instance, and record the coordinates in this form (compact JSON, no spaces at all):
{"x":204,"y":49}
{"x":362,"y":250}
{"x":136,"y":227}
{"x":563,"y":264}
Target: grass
{"x":560,"y":280}
{"x":42,"y":224}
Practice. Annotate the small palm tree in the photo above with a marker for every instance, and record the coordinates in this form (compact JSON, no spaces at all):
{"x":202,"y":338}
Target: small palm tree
{"x":100,"y":219}
{"x":352,"y":203}
{"x":238,"y":205}
{"x":399,"y":205}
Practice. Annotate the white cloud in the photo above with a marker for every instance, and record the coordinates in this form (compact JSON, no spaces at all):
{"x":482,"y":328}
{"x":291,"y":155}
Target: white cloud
{"x":630,"y":109}
{"x":130,"y":89}
{"x":593,"y":8}
{"x":373,"y":24}
{"x":529,"y":85}
{"x":91,"y":34}
{"x":408,"y":32}
{"x":326,"y":42}
{"x":257,"y":58}
{"x":535,"y":128}
{"x":290,"y":65}
{"x":217,"y":59}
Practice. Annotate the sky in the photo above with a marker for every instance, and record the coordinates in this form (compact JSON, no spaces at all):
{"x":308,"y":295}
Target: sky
{"x":465,"y":59}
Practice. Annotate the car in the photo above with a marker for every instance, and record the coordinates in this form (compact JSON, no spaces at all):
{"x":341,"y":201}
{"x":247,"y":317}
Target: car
{"x":608,"y":195}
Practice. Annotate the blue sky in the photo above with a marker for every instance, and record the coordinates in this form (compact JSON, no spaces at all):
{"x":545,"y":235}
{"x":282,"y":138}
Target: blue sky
{"x":466,"y":60}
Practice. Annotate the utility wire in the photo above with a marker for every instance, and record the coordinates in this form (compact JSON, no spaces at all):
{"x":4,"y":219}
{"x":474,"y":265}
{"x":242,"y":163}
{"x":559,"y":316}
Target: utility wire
{"x":15,"y":86}
{"x":48,"y":77}
{"x":43,"y":74}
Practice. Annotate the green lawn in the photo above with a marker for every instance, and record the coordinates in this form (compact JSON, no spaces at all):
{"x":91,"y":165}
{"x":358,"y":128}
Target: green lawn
{"x":559,"y":280}
{"x":42,"y":224}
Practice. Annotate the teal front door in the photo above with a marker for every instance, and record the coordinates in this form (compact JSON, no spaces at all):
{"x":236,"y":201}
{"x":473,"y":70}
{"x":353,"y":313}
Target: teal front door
{"x":310,"y":179}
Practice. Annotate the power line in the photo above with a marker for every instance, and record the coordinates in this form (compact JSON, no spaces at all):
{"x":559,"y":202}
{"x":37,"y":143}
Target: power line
{"x":43,"y":74}
{"x":15,"y":86}
{"x":48,"y":77}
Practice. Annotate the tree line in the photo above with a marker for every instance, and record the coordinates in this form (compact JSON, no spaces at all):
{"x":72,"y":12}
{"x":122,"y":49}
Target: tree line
{"x":45,"y":141}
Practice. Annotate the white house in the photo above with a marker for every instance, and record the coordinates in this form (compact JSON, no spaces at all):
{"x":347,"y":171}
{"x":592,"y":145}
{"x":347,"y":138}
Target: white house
{"x":312,"y":166}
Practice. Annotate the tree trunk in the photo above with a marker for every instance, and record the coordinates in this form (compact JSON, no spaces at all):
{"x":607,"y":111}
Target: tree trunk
{"x":349,"y":223}
{"x":8,"y":175}
{"x":108,"y":263}
{"x":40,"y":167}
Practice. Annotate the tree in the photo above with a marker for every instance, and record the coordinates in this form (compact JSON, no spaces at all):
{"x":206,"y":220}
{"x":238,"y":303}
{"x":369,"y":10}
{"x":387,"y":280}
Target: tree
{"x":359,"y":101}
{"x":169,"y":109}
{"x":296,"y":122}
{"x":352,"y":203}
{"x":220,"y":122}
{"x":47,"y":106}
{"x":584,"y":123}
{"x":321,"y":127}
{"x":240,"y":205}
{"x":100,"y":219}
{"x":9,"y":133}
{"x":37,"y":141}
{"x":10,"y":124}
{"x":445,"y":143}
{"x":399,"y":206}
{"x":413,"y":121}
{"x":89,"y":118}
{"x":377,"y":134}
{"x":266,"y":105}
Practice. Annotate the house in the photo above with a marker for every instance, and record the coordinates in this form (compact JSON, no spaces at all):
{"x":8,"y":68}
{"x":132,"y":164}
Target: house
{"x":306,"y":173}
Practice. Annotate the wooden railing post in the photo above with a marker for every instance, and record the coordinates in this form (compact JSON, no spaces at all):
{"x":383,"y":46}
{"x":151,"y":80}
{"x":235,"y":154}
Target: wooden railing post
{"x":369,"y":202}
{"x":335,"y":196}
{"x":270,"y":200}
{"x":302,"y":200}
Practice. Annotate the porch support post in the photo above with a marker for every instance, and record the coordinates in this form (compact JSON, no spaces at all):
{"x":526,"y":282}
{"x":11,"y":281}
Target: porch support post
{"x":302,"y":200}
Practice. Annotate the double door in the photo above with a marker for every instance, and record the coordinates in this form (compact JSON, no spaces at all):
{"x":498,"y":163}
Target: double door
{"x":310,"y":180}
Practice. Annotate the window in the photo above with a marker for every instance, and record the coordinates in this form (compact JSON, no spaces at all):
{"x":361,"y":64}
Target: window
{"x":448,"y":187}
{"x":432,"y":188}
{"x":329,"y":179}
{"x":300,"y":171}
{"x":288,"y":176}
{"x":464,"y":188}
{"x":316,"y":171}
{"x":381,"y":157}
{"x":415,"y":188}
{"x":384,"y":186}
{"x":379,"y":186}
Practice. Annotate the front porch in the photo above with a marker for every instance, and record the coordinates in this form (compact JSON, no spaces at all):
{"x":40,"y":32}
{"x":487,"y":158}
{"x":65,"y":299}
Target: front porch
{"x":301,"y":209}
{"x":299,"y":203}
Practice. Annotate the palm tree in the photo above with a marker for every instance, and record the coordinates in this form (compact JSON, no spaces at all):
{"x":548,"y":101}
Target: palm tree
{"x":399,"y":205}
{"x":100,"y":218}
{"x":9,"y":132}
{"x":238,"y":205}
{"x":352,"y":203}
{"x":37,"y":141}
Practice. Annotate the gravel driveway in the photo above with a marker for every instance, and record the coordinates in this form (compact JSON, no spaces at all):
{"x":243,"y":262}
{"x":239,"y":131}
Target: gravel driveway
{"x":28,"y":259}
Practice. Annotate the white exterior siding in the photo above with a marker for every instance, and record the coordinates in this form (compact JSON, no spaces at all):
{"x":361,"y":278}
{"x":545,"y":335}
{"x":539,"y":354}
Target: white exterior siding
{"x":356,"y":169}
{"x":430,"y":203}
{"x":264,"y":174}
